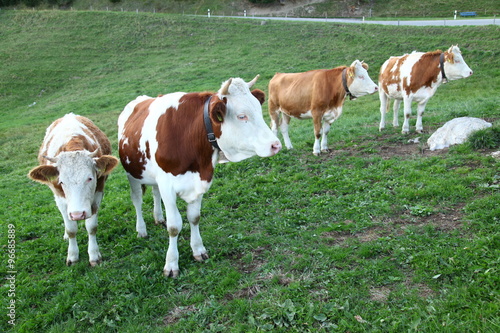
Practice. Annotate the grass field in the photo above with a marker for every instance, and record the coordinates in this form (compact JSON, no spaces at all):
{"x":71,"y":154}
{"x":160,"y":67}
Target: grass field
{"x":377,"y":236}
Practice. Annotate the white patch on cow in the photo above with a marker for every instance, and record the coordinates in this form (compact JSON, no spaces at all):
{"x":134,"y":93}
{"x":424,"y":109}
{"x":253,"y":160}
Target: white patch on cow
{"x":455,"y":131}
{"x":306,"y":115}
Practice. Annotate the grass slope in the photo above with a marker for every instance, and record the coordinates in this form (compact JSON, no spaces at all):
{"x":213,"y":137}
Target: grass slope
{"x":331,"y":8}
{"x":378,"y":236}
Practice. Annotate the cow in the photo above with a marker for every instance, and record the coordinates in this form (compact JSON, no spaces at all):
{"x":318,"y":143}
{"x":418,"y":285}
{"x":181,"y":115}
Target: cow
{"x":75,"y":161}
{"x":318,"y":94}
{"x":172,"y":142}
{"x":415,"y":77}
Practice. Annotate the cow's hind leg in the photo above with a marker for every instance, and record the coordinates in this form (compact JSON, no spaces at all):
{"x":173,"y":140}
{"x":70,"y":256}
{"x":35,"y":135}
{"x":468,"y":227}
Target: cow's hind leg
{"x":407,"y":115}
{"x":193,"y":215}
{"x":395,"y":109}
{"x":136,"y":196}
{"x":158,"y":211}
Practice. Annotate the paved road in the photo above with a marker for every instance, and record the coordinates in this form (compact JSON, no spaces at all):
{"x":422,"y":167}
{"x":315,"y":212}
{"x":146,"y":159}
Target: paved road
{"x":443,"y":22}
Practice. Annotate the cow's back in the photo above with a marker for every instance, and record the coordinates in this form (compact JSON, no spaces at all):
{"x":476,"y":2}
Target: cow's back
{"x":296,"y":92}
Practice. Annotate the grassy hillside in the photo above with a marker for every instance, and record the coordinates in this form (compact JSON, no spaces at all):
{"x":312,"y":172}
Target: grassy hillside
{"x":331,"y":8}
{"x":379,"y":235}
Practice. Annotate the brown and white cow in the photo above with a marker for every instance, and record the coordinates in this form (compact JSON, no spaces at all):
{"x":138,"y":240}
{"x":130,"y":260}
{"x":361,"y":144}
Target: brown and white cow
{"x":75,"y":161}
{"x":414,"y":78}
{"x":172,"y":142}
{"x":317,"y":94}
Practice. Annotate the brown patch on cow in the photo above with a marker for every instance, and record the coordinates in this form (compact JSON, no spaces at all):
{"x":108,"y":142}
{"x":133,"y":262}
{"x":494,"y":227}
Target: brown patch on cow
{"x":425,"y":72}
{"x":78,"y":143}
{"x":182,"y":142}
{"x":391,"y":74}
{"x":97,"y":135}
{"x":132,"y":158}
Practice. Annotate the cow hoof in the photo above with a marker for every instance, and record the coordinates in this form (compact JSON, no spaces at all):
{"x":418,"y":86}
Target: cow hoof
{"x":202,"y":257}
{"x":94,"y":263}
{"x":160,"y":222}
{"x":171,"y":273}
{"x":142,"y":235}
{"x":71,"y":262}
{"x":316,"y":154}
{"x":325,"y":150}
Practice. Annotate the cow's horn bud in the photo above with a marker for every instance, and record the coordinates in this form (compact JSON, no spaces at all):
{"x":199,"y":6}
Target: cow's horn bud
{"x":225,"y":88}
{"x":94,"y":153}
{"x":51,"y":159}
{"x":251,"y":83}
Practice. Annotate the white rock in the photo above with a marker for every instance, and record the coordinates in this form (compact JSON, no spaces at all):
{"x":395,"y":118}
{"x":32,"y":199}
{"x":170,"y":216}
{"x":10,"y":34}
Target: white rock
{"x":455,"y":131}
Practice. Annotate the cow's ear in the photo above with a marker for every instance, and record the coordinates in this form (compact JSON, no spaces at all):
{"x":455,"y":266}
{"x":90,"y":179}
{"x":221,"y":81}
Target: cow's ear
{"x":450,"y":57}
{"x":44,"y":173}
{"x":351,"y":71}
{"x":365,"y":65}
{"x":260,"y":95}
{"x":105,"y":164}
{"x":218,"y":111}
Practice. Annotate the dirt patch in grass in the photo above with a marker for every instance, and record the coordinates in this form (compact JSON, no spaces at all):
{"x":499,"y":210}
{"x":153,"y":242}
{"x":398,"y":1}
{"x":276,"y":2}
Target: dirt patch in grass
{"x":247,"y":265}
{"x":177,"y":313}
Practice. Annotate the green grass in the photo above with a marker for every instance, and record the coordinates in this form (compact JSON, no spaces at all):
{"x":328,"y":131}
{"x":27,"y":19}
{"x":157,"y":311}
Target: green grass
{"x":377,"y":236}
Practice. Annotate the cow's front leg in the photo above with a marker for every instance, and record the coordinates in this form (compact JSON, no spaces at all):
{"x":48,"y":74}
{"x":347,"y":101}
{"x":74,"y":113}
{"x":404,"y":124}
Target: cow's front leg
{"x":420,"y":112}
{"x":136,"y":196}
{"x":174,"y":227}
{"x":285,"y":121}
{"x":93,"y":249}
{"x":324,"y":137}
{"x":384,"y":104}
{"x":407,"y":115}
{"x":193,"y":215}
{"x":317,"y":135}
{"x":70,"y":230}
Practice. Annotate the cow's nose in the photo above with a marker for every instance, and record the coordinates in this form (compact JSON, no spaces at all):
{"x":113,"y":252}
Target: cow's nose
{"x":76,"y":216}
{"x":275,"y":147}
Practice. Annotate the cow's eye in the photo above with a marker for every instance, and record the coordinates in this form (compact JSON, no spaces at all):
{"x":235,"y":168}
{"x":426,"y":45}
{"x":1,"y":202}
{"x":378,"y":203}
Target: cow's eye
{"x":242,"y":117}
{"x":361,"y":77}
{"x":90,"y":179}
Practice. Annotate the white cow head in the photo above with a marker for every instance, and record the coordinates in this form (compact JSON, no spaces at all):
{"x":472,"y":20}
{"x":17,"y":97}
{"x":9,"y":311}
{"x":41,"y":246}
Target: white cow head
{"x":244,"y":131}
{"x":74,"y":175}
{"x":361,"y":84}
{"x":454,"y":65}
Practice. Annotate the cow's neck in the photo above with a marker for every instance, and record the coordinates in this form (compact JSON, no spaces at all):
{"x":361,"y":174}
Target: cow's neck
{"x":208,"y":125}
{"x":441,"y":65}
{"x":344,"y":84}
